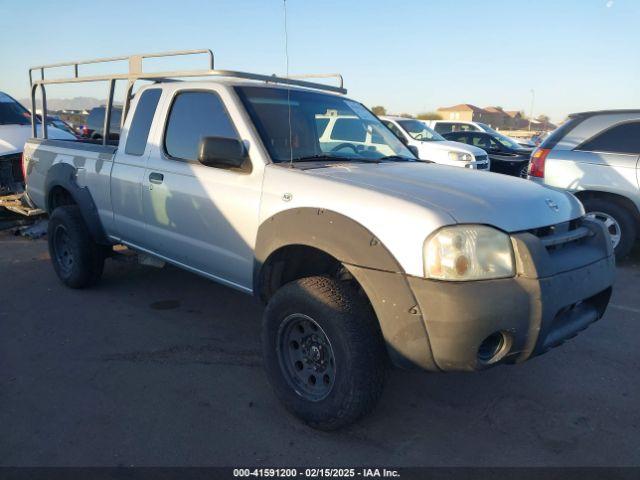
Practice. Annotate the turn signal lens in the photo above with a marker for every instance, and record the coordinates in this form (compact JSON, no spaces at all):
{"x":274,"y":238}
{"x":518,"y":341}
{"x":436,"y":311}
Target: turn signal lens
{"x":536,"y":164}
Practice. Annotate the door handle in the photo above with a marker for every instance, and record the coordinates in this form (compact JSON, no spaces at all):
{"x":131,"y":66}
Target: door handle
{"x":155,"y":177}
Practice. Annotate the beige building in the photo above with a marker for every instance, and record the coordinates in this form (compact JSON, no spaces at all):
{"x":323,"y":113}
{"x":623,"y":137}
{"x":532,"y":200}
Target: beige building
{"x":464,"y":112}
{"x":495,"y":117}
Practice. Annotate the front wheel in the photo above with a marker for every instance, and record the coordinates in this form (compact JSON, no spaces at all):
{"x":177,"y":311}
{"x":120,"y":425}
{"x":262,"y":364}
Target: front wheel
{"x":323,"y":352}
{"x":618,"y":221}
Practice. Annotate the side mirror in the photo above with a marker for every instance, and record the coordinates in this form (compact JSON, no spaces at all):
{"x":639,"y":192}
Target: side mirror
{"x":403,"y":139}
{"x":221,"y":152}
{"x":413,"y":149}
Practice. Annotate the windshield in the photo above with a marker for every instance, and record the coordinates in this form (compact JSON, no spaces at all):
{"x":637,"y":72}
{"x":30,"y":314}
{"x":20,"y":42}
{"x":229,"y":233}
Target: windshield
{"x":322,"y":126}
{"x":419,"y":131}
{"x":12,"y":113}
{"x":503,"y":139}
{"x":506,"y":141}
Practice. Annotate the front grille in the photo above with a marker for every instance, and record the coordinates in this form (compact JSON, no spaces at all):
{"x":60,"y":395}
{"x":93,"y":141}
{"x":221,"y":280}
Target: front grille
{"x":555,"y":237}
{"x":11,"y":179}
{"x":482,"y":162}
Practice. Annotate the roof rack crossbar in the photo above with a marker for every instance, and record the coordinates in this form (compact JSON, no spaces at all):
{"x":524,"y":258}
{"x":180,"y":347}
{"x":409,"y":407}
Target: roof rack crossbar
{"x":136,"y":72}
{"x":135,"y":63}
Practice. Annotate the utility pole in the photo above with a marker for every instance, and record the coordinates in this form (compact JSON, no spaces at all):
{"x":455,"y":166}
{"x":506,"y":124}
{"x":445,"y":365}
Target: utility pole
{"x":533,"y":97}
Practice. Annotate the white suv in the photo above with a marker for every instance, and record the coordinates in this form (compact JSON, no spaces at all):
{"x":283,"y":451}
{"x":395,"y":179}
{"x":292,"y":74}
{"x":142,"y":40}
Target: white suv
{"x":432,"y":146}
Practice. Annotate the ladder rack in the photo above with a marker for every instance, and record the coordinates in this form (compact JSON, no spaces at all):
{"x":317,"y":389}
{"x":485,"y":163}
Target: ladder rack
{"x":136,"y":73}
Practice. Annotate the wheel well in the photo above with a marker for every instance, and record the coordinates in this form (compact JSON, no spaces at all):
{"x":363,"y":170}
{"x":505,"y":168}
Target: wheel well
{"x":620,"y":200}
{"x":293,"y":262}
{"x":59,"y":196}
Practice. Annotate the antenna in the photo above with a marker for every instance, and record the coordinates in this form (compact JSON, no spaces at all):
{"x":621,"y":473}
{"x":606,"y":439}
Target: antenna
{"x":286,"y":57}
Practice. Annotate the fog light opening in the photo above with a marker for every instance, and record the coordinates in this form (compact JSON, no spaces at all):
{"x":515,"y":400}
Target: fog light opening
{"x":494,"y":348}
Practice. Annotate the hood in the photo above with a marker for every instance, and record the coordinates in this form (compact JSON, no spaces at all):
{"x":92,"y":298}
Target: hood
{"x":524,"y":150}
{"x":13,"y":137}
{"x":450,"y":146}
{"x":508,"y":203}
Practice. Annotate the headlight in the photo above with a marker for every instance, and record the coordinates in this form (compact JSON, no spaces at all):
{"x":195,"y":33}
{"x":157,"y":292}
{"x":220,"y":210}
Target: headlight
{"x":468,"y":252}
{"x":460,"y":157}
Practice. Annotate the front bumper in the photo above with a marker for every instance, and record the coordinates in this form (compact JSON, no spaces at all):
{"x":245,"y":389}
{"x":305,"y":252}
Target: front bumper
{"x":557,"y":292}
{"x":563,"y":284}
{"x":530,"y":315}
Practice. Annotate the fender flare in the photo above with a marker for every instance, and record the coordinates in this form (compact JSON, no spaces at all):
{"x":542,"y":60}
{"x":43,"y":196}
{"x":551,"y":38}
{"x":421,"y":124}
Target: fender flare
{"x":369,"y":261}
{"x":64,"y":175}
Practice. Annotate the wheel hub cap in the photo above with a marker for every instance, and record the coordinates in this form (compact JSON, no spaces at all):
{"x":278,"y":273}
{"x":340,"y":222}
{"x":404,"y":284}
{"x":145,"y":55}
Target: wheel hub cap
{"x":610,"y":223}
{"x":306,"y":357}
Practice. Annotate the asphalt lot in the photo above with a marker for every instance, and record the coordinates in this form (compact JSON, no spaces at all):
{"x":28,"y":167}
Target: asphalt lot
{"x":161,"y":367}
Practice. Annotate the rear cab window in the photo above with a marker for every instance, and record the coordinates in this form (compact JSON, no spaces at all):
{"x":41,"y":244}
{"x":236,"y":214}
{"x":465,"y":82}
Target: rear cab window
{"x":193,"y":116}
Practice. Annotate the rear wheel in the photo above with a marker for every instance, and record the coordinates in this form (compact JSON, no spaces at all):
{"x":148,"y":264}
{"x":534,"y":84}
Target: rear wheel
{"x":77,"y":259}
{"x":323,"y":352}
{"x":618,"y":221}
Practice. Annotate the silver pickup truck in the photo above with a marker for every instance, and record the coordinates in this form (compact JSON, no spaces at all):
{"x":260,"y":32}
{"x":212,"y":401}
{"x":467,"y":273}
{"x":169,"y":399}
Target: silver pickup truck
{"x":361,"y":253}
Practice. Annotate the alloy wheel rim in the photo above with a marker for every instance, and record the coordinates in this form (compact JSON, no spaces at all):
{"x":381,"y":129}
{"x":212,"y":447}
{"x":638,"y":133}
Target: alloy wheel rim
{"x":306,"y":357}
{"x":610,"y":223}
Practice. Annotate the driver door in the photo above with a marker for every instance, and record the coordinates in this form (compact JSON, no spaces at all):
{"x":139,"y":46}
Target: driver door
{"x":201,"y":217}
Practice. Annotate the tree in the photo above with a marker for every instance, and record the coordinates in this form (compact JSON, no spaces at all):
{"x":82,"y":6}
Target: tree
{"x":543,"y":120}
{"x":379,"y":110}
{"x":429,"y":116}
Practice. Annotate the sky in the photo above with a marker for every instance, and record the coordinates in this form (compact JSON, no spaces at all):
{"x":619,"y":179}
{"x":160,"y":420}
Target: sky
{"x":409,"y":55}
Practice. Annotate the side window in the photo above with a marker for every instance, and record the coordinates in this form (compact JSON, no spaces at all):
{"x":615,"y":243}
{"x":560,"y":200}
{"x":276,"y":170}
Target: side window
{"x":321,"y":125}
{"x":141,"y":123}
{"x":443,"y":128}
{"x":396,"y":131}
{"x":349,"y":129}
{"x":480,"y":141}
{"x":623,"y":138}
{"x":494,"y":145}
{"x":195,"y":115}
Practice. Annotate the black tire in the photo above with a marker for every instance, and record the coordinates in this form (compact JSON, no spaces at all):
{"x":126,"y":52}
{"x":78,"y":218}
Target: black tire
{"x":625,"y":219}
{"x":355,"y":344}
{"x":77,"y":259}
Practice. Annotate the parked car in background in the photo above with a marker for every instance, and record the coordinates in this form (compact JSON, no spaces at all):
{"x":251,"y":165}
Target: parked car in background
{"x":95,"y":124}
{"x":15,"y":129}
{"x":538,"y":138}
{"x":596,"y":155}
{"x":446,"y":126}
{"x":60,"y":124}
{"x":430,"y":145}
{"x":505,"y":154}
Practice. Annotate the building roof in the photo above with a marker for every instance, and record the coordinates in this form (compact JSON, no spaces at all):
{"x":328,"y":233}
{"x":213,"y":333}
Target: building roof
{"x":462,"y":107}
{"x":494,"y":110}
{"x":512,"y":113}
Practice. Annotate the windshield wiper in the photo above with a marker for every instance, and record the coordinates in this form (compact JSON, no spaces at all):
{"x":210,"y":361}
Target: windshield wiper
{"x":395,"y":158}
{"x":333,"y":158}
{"x":316,"y":158}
